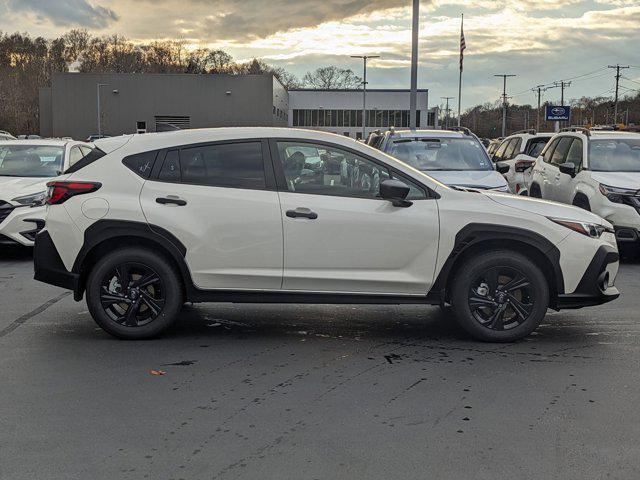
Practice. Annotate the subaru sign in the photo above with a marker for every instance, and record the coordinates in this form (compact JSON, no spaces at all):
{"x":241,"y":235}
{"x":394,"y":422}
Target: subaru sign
{"x":557,"y":113}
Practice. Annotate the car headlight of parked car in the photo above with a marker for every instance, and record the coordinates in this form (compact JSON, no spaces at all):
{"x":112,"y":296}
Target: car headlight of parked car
{"x":33,"y":200}
{"x":592,"y":230}
{"x":616,"y":194}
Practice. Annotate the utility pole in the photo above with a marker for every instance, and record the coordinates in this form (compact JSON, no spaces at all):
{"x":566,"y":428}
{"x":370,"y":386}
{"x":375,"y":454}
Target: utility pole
{"x":562,"y":84}
{"x":618,"y":67}
{"x":504,"y":100}
{"x":413,"y":98}
{"x":539,"y":89}
{"x":364,"y":90}
{"x":446,"y":111}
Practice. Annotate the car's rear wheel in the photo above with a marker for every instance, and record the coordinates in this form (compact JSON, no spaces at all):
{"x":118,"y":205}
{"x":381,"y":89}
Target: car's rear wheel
{"x":134,"y":293}
{"x":500,"y":296}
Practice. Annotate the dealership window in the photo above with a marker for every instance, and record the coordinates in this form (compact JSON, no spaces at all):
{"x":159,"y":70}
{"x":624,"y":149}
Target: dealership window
{"x":224,"y":165}
{"x":351,"y":118}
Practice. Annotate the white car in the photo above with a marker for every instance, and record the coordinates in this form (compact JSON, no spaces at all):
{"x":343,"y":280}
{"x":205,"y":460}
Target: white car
{"x":452,"y":157}
{"x":25,"y":168}
{"x":597,"y":170}
{"x":228,"y":215}
{"x":516,"y":156}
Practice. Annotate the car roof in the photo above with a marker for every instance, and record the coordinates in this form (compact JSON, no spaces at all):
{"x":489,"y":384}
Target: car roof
{"x":426,"y":133}
{"x":39,"y":142}
{"x":609,"y":135}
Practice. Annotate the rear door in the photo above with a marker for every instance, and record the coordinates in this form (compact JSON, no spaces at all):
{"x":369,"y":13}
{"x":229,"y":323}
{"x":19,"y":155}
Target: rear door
{"x":219,"y":200}
{"x":554,"y":176}
{"x":339,"y":235}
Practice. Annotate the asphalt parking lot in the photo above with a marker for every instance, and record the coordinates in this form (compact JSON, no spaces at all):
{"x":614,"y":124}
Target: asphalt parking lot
{"x":314,"y":392}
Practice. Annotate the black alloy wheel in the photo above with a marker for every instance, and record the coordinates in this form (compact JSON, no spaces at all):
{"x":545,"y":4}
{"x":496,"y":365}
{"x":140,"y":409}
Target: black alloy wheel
{"x":132,"y":294}
{"x":502,"y":298}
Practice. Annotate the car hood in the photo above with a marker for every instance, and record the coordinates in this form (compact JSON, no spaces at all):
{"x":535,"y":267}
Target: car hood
{"x":472,"y":178}
{"x":546,"y":208}
{"x":629,"y":180}
{"x":12,"y":187}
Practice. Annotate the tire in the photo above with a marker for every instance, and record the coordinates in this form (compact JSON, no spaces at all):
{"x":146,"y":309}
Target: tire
{"x":534,"y":191}
{"x":582,"y":202}
{"x":153,"y":290}
{"x":479,"y":293}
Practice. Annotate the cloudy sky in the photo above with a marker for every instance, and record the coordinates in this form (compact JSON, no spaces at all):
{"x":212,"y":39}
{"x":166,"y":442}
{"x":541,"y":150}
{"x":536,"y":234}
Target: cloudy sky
{"x":538,"y":40}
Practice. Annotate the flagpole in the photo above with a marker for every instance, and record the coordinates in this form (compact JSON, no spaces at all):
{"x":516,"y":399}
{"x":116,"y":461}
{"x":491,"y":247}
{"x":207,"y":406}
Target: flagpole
{"x":460,"y":78}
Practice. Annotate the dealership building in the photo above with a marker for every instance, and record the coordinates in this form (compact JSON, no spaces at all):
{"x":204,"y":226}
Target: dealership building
{"x":130,"y":103}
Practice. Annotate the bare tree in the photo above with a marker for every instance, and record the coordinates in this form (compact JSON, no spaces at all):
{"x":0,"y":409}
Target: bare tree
{"x":331,"y":77}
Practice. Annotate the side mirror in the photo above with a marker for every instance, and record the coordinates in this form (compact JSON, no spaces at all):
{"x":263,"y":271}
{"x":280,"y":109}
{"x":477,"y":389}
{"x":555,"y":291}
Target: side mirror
{"x":396,"y":192}
{"x":502,"y":168}
{"x":569,"y":168}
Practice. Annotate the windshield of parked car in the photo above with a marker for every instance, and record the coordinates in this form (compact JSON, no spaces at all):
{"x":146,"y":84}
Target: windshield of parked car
{"x":433,"y":154}
{"x":30,"y":160}
{"x":615,"y":155}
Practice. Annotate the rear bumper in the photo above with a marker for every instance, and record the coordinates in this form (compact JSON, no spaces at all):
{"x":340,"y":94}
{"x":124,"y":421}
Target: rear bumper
{"x":48,"y":266}
{"x":596,"y":286}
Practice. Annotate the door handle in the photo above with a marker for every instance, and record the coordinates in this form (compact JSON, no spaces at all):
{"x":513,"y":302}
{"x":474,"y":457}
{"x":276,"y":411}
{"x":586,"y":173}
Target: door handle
{"x":171,"y":200}
{"x":302,"y":212}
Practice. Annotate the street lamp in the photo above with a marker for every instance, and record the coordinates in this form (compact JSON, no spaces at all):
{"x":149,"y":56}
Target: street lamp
{"x":364,"y":90}
{"x":98,"y":98}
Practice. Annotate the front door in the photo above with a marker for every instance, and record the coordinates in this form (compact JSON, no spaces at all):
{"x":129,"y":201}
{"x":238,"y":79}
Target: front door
{"x":339,"y":235}
{"x":220,"y":201}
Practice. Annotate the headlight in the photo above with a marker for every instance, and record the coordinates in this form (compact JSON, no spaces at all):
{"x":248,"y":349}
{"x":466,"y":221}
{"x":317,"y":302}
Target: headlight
{"x":34,"y":200}
{"x":592,"y":230}
{"x":615,"y":194}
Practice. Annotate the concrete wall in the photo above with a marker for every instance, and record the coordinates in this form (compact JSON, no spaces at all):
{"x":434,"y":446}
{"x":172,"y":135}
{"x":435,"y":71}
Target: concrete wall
{"x":45,"y":112}
{"x":208,"y":101}
{"x":377,"y":99}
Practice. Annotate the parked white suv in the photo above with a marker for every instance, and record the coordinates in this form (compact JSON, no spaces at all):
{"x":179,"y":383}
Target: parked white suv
{"x":454,"y":157}
{"x":25,"y":168}
{"x":298,"y":216}
{"x":597,"y":170}
{"x":516,"y":156}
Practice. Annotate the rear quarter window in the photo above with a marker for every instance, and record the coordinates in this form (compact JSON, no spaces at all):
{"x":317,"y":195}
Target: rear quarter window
{"x":141,"y":163}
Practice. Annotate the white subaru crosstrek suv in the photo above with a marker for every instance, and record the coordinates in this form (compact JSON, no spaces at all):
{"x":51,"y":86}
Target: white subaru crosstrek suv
{"x":596,"y":170}
{"x":516,"y":156}
{"x":236,"y":215}
{"x":25,"y":168}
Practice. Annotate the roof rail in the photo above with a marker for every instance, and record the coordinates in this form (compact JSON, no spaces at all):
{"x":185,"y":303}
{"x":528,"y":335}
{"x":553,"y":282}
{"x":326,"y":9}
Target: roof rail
{"x":584,"y":130}
{"x":464,"y":130}
{"x":530,"y":131}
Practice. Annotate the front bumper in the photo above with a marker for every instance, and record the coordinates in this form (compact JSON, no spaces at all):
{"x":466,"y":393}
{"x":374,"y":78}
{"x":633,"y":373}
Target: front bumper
{"x":48,"y":266}
{"x":21,"y":225}
{"x":597,"y":284}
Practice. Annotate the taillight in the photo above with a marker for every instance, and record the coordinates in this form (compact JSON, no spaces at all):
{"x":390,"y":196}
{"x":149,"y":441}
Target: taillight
{"x":60,"y":192}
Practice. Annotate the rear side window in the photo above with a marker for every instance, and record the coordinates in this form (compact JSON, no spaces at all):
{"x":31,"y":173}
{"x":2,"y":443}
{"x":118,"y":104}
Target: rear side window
{"x":88,"y":159}
{"x":224,"y":165}
{"x":535,"y":146}
{"x":171,"y":167}
{"x":141,"y":163}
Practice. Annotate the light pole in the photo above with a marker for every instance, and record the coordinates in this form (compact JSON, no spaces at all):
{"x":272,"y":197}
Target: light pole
{"x":99,"y":115}
{"x":413,"y":97}
{"x":504,"y":100}
{"x":364,"y":90}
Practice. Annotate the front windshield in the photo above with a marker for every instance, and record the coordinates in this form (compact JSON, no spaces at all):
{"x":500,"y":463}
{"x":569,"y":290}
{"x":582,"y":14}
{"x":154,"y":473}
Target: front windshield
{"x":615,"y":155}
{"x":433,"y":154}
{"x":30,"y":160}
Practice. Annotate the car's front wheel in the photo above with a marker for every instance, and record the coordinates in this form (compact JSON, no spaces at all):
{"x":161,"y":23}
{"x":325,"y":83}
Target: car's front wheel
{"x":134,"y":293}
{"x":499,"y":296}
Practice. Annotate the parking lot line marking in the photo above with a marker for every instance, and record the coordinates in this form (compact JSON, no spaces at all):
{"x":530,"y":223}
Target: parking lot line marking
{"x":20,"y":320}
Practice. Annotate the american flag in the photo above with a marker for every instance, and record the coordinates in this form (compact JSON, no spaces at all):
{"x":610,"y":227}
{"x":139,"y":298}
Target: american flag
{"x":463,"y":45}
